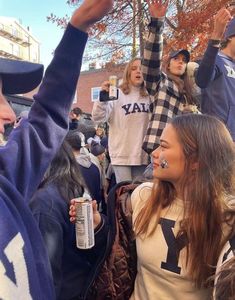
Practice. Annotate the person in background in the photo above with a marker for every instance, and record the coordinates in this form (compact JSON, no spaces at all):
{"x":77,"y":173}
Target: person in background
{"x":98,"y":157}
{"x":98,"y":151}
{"x":75,"y":118}
{"x":168,"y":83}
{"x":71,"y":267}
{"x":216,"y":73}
{"x":99,"y":134}
{"x":192,"y":68}
{"x":128,"y":119}
{"x":24,"y":266}
{"x":110,"y":179}
{"x":90,"y":172}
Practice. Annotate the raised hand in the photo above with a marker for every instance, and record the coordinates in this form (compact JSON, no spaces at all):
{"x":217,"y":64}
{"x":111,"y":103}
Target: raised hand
{"x":90,"y":12}
{"x":105,"y":86}
{"x":157,"y":8}
{"x":221,"y":20}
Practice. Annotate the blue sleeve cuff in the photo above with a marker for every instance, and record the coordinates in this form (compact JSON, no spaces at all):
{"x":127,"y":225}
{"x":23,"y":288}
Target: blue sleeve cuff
{"x":71,"y":41}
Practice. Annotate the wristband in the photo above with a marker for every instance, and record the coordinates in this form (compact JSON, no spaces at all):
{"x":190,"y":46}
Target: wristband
{"x":215,"y":43}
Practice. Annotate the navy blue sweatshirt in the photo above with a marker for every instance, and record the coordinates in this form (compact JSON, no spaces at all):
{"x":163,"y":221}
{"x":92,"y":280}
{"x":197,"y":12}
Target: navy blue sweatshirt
{"x":216,"y":78}
{"x":70,"y":266}
{"x":24,"y":266}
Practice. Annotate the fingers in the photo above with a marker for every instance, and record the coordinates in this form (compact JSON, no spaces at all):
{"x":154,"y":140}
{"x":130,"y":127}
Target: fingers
{"x":90,"y":12}
{"x":157,"y":2}
{"x":95,"y":207}
{"x":105,"y":86}
{"x":72,"y":219}
{"x":157,"y":8}
{"x":96,"y":214}
{"x":221,"y":20}
{"x":223,"y":14}
{"x":72,"y":211}
{"x":72,"y":202}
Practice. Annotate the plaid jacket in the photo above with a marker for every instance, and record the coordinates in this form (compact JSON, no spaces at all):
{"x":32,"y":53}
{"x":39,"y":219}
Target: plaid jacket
{"x":165,"y":97}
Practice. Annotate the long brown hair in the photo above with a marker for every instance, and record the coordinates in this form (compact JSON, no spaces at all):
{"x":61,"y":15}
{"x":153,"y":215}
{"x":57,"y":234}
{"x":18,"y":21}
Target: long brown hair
{"x":206,"y":142}
{"x":225,"y":284}
{"x":182,"y":82}
{"x":225,"y":287}
{"x":125,"y":86}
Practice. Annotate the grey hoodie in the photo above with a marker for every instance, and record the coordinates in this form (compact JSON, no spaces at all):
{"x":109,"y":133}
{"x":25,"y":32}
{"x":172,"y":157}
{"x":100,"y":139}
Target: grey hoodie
{"x":84,"y":160}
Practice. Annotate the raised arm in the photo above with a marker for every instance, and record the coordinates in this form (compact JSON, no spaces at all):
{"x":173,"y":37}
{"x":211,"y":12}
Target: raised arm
{"x":208,"y":70}
{"x":33,"y":144}
{"x":151,"y":62}
{"x":102,"y":111}
{"x":90,"y":12}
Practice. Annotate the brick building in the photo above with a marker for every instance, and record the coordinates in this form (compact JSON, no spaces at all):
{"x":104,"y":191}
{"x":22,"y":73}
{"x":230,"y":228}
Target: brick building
{"x":89,"y":84}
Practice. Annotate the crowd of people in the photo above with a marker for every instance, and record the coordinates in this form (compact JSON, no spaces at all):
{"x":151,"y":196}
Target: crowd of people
{"x":169,"y":234}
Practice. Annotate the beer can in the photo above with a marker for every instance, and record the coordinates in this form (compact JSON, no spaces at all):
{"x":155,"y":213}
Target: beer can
{"x":84,"y":225}
{"x":113,"y":89}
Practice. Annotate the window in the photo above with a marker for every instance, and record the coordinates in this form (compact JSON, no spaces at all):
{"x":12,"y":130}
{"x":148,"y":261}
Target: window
{"x":15,"y":32}
{"x":95,"y":93}
{"x":16,"y":50}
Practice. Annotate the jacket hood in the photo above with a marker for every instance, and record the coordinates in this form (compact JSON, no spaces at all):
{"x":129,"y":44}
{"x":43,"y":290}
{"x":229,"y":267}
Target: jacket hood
{"x":84,"y":160}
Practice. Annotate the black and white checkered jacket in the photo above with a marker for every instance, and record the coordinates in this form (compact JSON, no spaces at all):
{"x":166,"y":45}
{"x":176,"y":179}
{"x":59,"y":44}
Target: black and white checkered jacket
{"x":166,"y":99}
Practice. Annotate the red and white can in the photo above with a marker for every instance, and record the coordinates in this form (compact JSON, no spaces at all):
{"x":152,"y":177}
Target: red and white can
{"x":84,"y":225}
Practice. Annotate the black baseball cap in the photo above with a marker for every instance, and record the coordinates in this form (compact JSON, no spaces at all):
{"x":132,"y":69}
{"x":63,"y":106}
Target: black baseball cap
{"x":181,"y":51}
{"x":18,"y":76}
{"x":230,"y":29}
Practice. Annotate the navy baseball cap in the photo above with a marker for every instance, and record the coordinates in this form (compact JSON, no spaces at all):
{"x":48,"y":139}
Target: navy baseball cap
{"x":181,"y":51}
{"x":18,"y":76}
{"x":230,"y":29}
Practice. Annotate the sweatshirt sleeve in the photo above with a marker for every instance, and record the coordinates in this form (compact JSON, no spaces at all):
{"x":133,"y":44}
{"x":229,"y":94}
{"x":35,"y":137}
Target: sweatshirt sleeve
{"x":208,"y":70}
{"x":102,"y":111}
{"x":151,"y":62}
{"x":31,"y":146}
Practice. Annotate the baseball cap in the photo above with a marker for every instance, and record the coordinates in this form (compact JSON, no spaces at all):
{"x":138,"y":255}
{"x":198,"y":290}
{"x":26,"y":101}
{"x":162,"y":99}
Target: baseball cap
{"x":181,"y":51}
{"x":18,"y":76}
{"x":96,"y":149}
{"x":230,"y":29}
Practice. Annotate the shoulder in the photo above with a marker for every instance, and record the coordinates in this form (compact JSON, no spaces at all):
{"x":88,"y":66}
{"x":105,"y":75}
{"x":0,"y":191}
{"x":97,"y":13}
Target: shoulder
{"x":140,"y":195}
{"x":46,"y":199}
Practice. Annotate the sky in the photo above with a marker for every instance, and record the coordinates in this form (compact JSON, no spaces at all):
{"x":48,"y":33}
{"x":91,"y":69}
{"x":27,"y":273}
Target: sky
{"x":33,"y":14}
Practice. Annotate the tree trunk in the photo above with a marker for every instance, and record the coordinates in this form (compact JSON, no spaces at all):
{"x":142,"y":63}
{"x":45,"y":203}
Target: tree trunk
{"x":141,"y":28}
{"x":134,"y":49}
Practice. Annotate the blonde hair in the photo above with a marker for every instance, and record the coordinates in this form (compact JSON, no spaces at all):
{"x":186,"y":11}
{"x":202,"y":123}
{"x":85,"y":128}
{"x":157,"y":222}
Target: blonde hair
{"x":125,"y":86}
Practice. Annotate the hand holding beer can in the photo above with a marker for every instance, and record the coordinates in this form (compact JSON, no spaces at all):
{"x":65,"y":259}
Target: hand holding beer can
{"x":109,"y":90}
{"x":84,"y":223}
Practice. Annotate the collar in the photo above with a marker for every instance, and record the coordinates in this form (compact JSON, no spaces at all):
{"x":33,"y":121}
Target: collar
{"x":221,"y":54}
